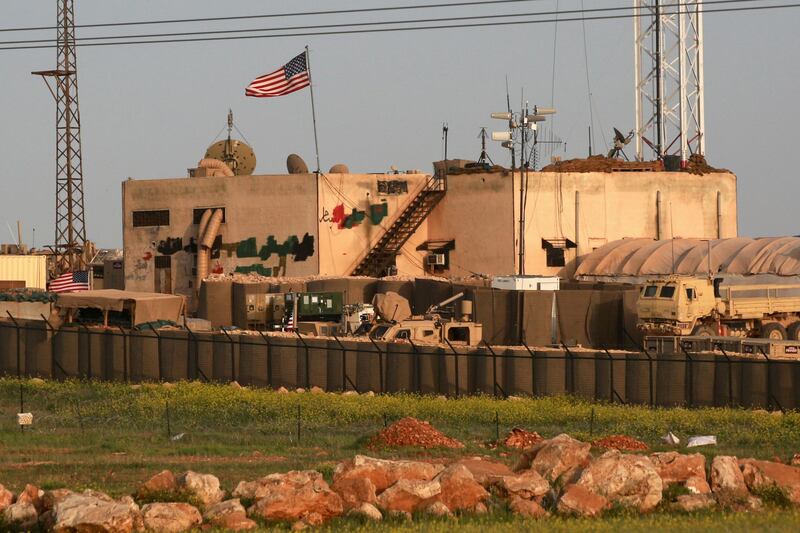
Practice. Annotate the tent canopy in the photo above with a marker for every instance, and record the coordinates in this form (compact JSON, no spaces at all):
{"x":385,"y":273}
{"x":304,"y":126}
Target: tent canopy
{"x":143,"y":306}
{"x":740,"y":255}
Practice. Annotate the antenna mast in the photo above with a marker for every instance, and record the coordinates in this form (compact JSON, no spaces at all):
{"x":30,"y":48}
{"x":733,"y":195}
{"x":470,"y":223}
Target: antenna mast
{"x":668,"y":64}
{"x":484,"y":156}
{"x":70,"y":236}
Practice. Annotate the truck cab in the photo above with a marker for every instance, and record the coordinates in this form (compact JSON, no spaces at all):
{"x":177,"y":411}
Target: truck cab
{"x":675,"y":305}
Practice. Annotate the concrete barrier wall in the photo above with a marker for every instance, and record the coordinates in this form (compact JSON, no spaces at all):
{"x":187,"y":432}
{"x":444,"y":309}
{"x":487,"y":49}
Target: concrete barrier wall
{"x":672,"y":379}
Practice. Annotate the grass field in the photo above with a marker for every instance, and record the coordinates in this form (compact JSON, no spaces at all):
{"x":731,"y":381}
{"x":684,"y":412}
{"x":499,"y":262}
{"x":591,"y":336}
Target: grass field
{"x":112,"y":437}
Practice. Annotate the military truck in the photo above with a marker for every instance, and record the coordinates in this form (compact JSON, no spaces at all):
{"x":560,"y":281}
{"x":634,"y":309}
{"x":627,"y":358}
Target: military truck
{"x":686,"y":305}
{"x":435,"y":326}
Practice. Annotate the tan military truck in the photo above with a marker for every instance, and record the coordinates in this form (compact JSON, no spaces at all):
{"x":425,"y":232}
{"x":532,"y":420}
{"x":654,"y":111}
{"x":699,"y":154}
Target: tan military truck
{"x":433,"y":327}
{"x":686,"y":305}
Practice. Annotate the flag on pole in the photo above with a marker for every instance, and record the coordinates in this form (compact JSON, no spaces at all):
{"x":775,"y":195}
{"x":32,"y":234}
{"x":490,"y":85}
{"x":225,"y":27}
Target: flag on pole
{"x":291,"y":77}
{"x":70,"y":281}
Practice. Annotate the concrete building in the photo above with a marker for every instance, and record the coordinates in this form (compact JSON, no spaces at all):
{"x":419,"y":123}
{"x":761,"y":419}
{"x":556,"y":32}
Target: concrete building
{"x":304,"y":224}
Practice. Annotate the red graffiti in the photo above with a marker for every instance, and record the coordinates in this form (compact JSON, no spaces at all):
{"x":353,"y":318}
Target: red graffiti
{"x":147,"y":256}
{"x":217,"y":269}
{"x":338,"y":216}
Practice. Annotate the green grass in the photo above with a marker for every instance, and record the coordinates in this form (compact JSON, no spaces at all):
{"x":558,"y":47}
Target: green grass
{"x":112,"y":437}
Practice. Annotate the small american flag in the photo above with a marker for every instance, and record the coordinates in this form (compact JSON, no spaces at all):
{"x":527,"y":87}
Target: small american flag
{"x":291,"y":77}
{"x":70,"y":281}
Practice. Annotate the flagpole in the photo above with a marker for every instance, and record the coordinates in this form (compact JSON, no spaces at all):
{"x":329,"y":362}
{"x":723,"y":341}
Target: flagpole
{"x":313,"y":112}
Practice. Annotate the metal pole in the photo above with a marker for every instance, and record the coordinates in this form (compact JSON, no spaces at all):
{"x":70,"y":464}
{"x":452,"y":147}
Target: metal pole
{"x":14,"y":320}
{"x":313,"y":111}
{"x":125,"y":353}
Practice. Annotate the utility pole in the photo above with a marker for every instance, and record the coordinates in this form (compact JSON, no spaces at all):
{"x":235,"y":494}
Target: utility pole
{"x":70,"y":234}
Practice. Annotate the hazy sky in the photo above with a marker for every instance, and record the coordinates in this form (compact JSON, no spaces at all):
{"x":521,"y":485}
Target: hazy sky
{"x":150,"y":111}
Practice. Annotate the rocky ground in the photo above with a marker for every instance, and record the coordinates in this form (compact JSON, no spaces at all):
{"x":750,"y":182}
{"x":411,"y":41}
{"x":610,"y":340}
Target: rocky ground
{"x":557,"y":477}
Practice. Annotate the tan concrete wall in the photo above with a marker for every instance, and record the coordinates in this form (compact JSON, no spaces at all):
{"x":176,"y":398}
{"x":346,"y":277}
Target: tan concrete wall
{"x":477,"y":213}
{"x":345,"y":238}
{"x":256,"y":207}
{"x":619,"y":205}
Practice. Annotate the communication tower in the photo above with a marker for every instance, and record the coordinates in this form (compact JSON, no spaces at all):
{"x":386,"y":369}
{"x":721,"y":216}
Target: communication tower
{"x":70,"y":237}
{"x":669,"y":78}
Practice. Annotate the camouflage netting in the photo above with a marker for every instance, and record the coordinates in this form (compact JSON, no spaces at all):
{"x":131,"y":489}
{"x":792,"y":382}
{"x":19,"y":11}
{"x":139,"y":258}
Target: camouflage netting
{"x":27,"y":295}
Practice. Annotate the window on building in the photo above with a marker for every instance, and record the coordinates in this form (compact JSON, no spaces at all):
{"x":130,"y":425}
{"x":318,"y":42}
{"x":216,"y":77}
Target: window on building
{"x":555,"y":251}
{"x":151,"y":218}
{"x":197,"y":213}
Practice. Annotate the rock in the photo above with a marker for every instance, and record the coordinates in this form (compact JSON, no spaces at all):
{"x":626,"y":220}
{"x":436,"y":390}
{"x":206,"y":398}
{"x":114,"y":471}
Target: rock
{"x":33,"y":495}
{"x":20,"y":516}
{"x":367,"y":510}
{"x":6,"y":498}
{"x":230,"y":515}
{"x":439,"y":509}
{"x":235,"y":385}
{"x":674,"y":467}
{"x":409,"y":495}
{"x":383,"y":472}
{"x":204,"y":487}
{"x":726,"y":475}
{"x":282,"y":390}
{"x":483,"y":470}
{"x":317,"y":390}
{"x":459,"y":490}
{"x":480,"y":509}
{"x":90,"y":512}
{"x":170,"y":517}
{"x":528,"y":508}
{"x":369,"y":394}
{"x":689,"y":503}
{"x":697,"y":485}
{"x":355,"y":491}
{"x":292,"y":495}
{"x":527,"y":485}
{"x":299,"y":526}
{"x":763,"y":474}
{"x":310,"y":519}
{"x":350,"y":393}
{"x":577,"y":500}
{"x":795,"y":460}
{"x":52,"y":497}
{"x":300,"y":390}
{"x":623,"y":479}
{"x":162,"y":483}
{"x":556,"y":457}
{"x":401,"y":515}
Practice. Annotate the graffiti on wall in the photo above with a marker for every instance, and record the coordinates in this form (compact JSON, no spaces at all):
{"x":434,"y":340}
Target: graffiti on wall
{"x":389,"y":187}
{"x":300,"y":250}
{"x":343,"y":220}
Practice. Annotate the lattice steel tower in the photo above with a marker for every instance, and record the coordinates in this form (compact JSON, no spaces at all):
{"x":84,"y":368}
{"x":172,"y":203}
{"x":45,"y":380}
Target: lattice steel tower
{"x":70,"y":237}
{"x":669,"y":78}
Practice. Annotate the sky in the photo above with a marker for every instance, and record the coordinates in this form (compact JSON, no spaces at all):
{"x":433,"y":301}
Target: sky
{"x":150,"y":111}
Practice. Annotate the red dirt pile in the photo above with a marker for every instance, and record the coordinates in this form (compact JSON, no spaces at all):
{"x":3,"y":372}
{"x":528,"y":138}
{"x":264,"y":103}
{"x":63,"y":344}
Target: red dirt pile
{"x":519,"y":438}
{"x":601,"y":163}
{"x":621,"y":442}
{"x":412,"y":432}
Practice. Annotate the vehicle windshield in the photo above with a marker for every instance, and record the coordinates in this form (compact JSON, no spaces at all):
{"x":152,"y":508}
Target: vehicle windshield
{"x":650,"y":291}
{"x":380,"y":331}
{"x":667,"y":291}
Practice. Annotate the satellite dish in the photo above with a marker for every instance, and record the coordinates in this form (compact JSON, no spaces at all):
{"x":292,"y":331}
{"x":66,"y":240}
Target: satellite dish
{"x":620,"y":141}
{"x":238,"y":155}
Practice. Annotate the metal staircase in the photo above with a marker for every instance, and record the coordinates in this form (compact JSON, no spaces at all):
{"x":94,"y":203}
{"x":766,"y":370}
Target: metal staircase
{"x":382,"y":254}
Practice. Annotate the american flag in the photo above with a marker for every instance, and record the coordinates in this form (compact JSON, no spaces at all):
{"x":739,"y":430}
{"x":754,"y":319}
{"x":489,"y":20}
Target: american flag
{"x":291,"y":77}
{"x":70,"y":281}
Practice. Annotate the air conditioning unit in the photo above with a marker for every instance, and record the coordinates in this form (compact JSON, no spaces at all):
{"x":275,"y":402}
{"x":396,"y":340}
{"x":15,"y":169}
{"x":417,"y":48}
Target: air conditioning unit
{"x":435,"y":259}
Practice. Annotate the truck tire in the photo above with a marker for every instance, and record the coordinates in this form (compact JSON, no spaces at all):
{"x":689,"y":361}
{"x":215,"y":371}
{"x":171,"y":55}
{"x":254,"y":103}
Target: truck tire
{"x":793,"y":331}
{"x":774,"y":331}
{"x":704,"y":330}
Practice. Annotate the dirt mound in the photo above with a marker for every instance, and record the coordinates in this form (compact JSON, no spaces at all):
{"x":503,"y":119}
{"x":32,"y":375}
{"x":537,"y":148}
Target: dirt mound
{"x":412,"y":432}
{"x":621,"y":442}
{"x":600,"y":163}
{"x":697,"y":164}
{"x":519,"y":438}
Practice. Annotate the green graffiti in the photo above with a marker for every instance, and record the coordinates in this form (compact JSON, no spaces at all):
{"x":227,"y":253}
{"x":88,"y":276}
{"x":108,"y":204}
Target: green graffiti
{"x":247,"y":248}
{"x":258,"y":269}
{"x":378,"y":212}
{"x":355,"y":218}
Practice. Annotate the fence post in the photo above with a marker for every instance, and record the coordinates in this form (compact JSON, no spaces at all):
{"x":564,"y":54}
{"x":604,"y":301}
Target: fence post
{"x":690,"y":381}
{"x":307,"y":372}
{"x":160,"y":361}
{"x":417,"y":371}
{"x":53,"y":361}
{"x":612,"y":389}
{"x":380,"y":364}
{"x":269,"y":357}
{"x":233,"y":355}
{"x":730,"y":374}
{"x":88,"y":350}
{"x":571,"y":374}
{"x":455,"y":356}
{"x":771,"y":400}
{"x":533,"y":367}
{"x":198,"y":370}
{"x":125,"y":362}
{"x":345,"y":378}
{"x":494,"y":371}
{"x":16,"y":325}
